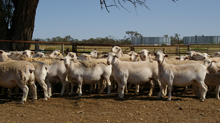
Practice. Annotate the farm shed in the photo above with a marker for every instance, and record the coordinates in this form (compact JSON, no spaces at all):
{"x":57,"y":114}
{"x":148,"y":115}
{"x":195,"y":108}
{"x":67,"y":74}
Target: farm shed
{"x":201,"y":40}
{"x":150,"y":40}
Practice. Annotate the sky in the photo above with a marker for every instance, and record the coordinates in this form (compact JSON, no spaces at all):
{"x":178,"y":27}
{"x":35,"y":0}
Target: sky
{"x":84,"y":19}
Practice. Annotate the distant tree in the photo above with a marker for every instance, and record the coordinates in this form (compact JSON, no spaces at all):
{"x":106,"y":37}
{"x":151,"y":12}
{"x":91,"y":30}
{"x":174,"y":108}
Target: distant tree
{"x":176,"y":39}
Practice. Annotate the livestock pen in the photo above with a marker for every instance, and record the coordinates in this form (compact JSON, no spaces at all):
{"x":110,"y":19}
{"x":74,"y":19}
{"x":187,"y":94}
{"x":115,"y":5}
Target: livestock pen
{"x":48,"y":47}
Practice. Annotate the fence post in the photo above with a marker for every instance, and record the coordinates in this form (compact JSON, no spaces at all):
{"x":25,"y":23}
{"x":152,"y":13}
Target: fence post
{"x":36,"y":47}
{"x":188,"y":48}
{"x":177,"y":50}
{"x":132,"y":48}
{"x":62,"y":48}
{"x":74,"y":48}
{"x":164,"y":50}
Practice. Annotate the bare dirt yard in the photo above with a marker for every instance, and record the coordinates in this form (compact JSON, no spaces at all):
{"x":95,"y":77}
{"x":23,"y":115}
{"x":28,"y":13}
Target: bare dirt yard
{"x":97,"y":108}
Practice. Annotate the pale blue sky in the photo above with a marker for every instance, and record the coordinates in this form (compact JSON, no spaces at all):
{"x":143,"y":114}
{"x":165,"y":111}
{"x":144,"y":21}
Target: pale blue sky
{"x":84,"y":19}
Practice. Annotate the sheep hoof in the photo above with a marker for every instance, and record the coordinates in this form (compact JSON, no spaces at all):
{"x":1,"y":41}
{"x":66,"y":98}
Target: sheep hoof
{"x":45,"y":98}
{"x":202,"y":100}
{"x":149,"y":95}
{"x":169,"y":99}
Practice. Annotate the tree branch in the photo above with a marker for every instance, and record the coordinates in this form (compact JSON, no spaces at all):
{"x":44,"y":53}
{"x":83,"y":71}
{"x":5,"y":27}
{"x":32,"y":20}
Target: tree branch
{"x":115,"y":3}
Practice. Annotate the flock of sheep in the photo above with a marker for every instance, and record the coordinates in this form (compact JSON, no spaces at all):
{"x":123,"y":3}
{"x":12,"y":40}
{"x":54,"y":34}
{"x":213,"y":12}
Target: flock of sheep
{"x":116,"y":69}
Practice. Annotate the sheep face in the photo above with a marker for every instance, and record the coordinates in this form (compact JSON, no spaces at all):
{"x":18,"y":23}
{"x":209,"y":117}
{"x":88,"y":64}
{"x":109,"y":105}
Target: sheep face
{"x":94,"y":54}
{"x":111,"y":58}
{"x":67,"y":61}
{"x":133,"y":56}
{"x":72,"y":55}
{"x":159,"y":56}
{"x":144,"y":54}
{"x":56,"y":54}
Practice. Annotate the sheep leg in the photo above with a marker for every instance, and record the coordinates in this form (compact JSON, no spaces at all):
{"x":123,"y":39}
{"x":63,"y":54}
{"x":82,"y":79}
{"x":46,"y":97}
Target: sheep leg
{"x":103,"y":83}
{"x":162,"y":88}
{"x":151,"y":88}
{"x":44,"y":87}
{"x":63,"y":81}
{"x":25,"y":90}
{"x":137,"y":89}
{"x":203,"y":90}
{"x":80,"y":82}
{"x":122,"y":87}
{"x":49,"y":88}
{"x":170,"y":87}
{"x":217,"y":91}
{"x":109,"y":86}
{"x":33,"y":88}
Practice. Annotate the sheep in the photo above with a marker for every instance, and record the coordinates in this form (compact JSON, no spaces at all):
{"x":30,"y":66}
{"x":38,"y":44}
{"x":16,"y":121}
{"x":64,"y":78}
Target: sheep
{"x":132,"y":72}
{"x":84,"y":56}
{"x":197,"y":55}
{"x":78,"y":72}
{"x":56,"y":54}
{"x":118,"y":51}
{"x":56,"y":71}
{"x":181,"y":75}
{"x":95,"y":54}
{"x":40,"y":71}
{"x":217,"y":54}
{"x":213,"y":80}
{"x":19,"y":73}
{"x":72,"y":55}
{"x":182,"y":58}
{"x":134,"y":56}
{"x":39,"y":54}
{"x":211,"y":66}
{"x":15,"y":55}
{"x":28,"y":53}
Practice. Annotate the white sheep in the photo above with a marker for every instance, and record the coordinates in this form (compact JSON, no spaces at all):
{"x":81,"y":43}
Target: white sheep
{"x":56,"y":54}
{"x":181,"y":75}
{"x":118,"y":51}
{"x":39,"y":54}
{"x":40,"y":71}
{"x":28,"y":53}
{"x":83,"y":73}
{"x":56,"y":72}
{"x":19,"y":73}
{"x":132,"y":72}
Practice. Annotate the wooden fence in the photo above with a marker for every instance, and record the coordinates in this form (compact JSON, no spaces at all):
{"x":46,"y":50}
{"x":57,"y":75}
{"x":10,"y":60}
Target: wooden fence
{"x":86,"y":48}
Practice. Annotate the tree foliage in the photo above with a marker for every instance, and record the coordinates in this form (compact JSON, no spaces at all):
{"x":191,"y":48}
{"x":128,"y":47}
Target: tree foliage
{"x":106,"y":40}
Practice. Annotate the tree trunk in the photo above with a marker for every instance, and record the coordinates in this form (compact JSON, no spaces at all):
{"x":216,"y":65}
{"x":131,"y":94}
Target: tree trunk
{"x":22,"y":24}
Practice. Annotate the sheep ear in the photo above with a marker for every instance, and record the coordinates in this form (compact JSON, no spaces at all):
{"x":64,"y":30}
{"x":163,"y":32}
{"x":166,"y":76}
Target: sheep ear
{"x":61,"y":59}
{"x":177,"y":58}
{"x":166,"y":55}
{"x":1,"y":52}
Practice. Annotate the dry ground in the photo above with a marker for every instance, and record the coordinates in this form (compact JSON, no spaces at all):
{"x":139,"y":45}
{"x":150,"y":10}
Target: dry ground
{"x":96,"y":108}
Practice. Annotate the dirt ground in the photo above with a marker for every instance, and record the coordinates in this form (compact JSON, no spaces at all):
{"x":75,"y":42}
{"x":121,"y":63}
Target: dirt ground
{"x":97,"y":108}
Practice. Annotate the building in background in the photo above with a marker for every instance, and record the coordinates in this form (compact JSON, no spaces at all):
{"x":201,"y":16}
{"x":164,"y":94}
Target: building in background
{"x":150,"y":40}
{"x":201,"y":40}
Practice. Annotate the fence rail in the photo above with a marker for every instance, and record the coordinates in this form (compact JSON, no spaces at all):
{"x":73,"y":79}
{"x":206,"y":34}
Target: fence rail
{"x":85,"y":48}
